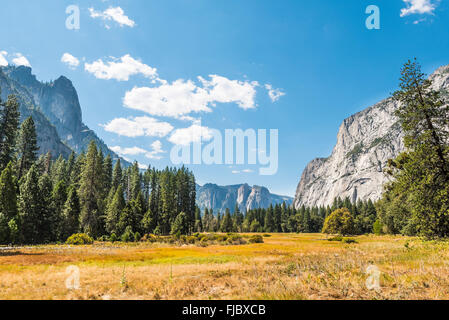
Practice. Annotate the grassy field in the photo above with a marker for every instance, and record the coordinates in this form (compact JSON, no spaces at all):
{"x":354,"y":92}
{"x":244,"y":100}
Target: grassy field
{"x":286,"y":266}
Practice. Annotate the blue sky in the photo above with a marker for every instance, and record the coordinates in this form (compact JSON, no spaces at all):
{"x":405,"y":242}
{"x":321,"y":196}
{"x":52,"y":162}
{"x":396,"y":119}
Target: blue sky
{"x":136,"y":63}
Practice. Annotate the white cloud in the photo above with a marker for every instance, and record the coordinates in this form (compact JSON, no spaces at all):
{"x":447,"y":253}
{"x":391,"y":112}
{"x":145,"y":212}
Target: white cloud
{"x":181,"y":97}
{"x":417,"y":7}
{"x":194,"y":133}
{"x":274,"y":94}
{"x":134,"y":151}
{"x":20,"y":60}
{"x":120,"y":69}
{"x":156,"y":150}
{"x":224,"y":90}
{"x":243,"y":171}
{"x":115,"y":14}
{"x":3,"y":61}
{"x":171,"y":100}
{"x":138,"y":127}
{"x":142,"y":166}
{"x":70,"y":60}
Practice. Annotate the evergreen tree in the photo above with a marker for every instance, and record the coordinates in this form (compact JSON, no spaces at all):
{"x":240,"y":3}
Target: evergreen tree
{"x":418,"y":195}
{"x":8,"y":204}
{"x":114,"y":212}
{"x":71,"y":215}
{"x":9,"y":122}
{"x":269,"y":225}
{"x":30,"y":207}
{"x":226,"y":222}
{"x":27,"y":146}
{"x":90,"y":189}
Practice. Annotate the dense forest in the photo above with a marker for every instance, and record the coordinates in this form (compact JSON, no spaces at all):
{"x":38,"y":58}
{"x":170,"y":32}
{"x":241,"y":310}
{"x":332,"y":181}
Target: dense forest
{"x":46,"y":200}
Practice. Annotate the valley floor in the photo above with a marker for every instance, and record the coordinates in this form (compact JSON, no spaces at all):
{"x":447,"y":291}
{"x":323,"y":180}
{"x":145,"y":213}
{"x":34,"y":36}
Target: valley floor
{"x":286,"y":266}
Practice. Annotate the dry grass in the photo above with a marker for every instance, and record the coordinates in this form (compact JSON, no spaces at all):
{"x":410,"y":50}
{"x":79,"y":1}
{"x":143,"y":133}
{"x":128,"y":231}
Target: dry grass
{"x":284,"y":267}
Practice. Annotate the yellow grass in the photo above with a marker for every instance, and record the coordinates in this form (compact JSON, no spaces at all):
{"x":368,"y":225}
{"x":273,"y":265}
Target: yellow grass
{"x":286,"y":266}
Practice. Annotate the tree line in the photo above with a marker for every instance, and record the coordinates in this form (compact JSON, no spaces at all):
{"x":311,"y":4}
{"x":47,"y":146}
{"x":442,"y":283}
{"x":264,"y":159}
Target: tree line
{"x":286,"y":219}
{"x":46,"y":200}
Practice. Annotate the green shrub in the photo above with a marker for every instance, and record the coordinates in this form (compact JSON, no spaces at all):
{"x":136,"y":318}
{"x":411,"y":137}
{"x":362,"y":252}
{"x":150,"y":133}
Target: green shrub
{"x":79,"y":239}
{"x":256,"y":239}
{"x":340,"y":222}
{"x":349,"y":240}
{"x":337,"y":238}
{"x":377,"y":227}
{"x":113,"y":237}
{"x":128,"y":235}
{"x":137,"y":237}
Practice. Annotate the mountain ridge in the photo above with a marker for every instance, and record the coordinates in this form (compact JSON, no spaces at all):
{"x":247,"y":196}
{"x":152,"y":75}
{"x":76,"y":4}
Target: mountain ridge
{"x":218,"y":198}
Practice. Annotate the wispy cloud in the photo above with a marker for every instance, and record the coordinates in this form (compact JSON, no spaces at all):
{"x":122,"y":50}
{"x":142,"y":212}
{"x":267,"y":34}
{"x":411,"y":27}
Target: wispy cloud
{"x":181,"y":97}
{"x":120,"y":69}
{"x":20,"y":60}
{"x":194,"y":133}
{"x":3,"y":61}
{"x":274,"y":94}
{"x":138,"y":127}
{"x":113,"y":14}
{"x":70,"y":60}
{"x":418,"y":7}
{"x":155,"y":153}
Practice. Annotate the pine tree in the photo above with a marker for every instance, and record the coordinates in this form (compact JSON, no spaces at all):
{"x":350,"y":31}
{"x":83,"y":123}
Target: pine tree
{"x":180,"y":225}
{"x":226,"y":222}
{"x":114,"y":211}
{"x":9,"y":122}
{"x":89,"y":192}
{"x":59,"y":197}
{"x":71,"y":215}
{"x":420,"y":190}
{"x":269,"y":220}
{"x":8,"y":204}
{"x":27,"y":146}
{"x":107,"y":174}
{"x":30,"y":208}
{"x":198,"y":220}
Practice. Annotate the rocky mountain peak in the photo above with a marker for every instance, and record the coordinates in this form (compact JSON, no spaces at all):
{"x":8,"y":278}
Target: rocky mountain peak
{"x":365,"y":142}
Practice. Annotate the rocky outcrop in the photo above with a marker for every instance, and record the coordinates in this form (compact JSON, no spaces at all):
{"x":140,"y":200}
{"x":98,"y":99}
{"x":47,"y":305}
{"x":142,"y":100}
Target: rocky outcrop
{"x":58,"y":102}
{"x":47,"y":135}
{"x":219,"y":198}
{"x":365,"y":142}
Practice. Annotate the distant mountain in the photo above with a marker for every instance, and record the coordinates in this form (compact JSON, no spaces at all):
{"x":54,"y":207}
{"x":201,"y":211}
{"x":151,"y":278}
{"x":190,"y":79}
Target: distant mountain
{"x":55,"y":109}
{"x":221,"y":197}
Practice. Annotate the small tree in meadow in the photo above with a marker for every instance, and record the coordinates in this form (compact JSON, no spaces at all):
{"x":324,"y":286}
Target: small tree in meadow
{"x":340,"y":221}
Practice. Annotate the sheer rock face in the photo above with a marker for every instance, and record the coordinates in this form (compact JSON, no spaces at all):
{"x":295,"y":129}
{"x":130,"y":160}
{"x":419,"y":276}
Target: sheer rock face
{"x":219,"y":198}
{"x":47,"y":136}
{"x":56,"y":101}
{"x":365,"y":142}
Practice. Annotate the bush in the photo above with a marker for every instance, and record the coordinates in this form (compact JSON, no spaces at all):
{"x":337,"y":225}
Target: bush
{"x":79,"y":239}
{"x":128,"y":235}
{"x":113,"y":237}
{"x":256,"y":239}
{"x":349,"y":240}
{"x":377,"y":227}
{"x":137,"y":237}
{"x":266,"y":235}
{"x":340,"y":221}
{"x":337,"y":238}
